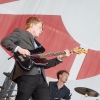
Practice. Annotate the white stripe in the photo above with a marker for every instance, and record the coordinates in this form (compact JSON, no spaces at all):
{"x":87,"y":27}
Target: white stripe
{"x":76,"y":65}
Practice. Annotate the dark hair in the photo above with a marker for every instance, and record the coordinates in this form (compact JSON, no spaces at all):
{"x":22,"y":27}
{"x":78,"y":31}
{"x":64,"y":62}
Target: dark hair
{"x":61,"y":72}
{"x":32,"y":19}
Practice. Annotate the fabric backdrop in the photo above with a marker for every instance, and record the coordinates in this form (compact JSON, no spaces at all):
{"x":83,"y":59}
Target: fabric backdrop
{"x":67,"y":24}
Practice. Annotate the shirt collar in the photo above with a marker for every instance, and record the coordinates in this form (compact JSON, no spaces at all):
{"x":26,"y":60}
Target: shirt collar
{"x":55,"y":83}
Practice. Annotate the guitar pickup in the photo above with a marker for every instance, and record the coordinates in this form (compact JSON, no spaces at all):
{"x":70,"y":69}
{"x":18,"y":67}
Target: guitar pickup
{"x":21,"y":58}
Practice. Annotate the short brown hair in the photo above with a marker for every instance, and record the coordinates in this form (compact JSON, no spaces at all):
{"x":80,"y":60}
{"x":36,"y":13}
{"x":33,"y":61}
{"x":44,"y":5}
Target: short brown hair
{"x":61,"y":72}
{"x":32,"y":19}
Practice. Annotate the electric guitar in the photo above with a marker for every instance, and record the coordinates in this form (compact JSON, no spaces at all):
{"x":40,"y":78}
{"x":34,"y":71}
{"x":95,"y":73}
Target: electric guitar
{"x":28,"y":62}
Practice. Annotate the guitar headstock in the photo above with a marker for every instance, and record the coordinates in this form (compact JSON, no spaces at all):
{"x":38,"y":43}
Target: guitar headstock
{"x":79,"y":50}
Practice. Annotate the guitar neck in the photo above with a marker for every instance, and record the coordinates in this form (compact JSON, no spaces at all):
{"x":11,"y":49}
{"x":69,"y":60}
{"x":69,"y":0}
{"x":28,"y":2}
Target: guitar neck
{"x":44,"y":55}
{"x":77,"y":50}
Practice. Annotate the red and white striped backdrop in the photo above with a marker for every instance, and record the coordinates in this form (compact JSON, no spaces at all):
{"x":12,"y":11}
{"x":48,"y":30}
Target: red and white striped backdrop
{"x":67,"y":25}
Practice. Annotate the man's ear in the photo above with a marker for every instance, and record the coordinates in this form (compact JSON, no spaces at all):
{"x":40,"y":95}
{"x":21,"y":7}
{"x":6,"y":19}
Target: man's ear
{"x":31,"y":25}
{"x":59,"y":76}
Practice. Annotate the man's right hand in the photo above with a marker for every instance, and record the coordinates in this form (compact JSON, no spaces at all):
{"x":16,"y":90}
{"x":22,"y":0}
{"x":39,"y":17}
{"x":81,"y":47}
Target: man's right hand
{"x":23,"y":51}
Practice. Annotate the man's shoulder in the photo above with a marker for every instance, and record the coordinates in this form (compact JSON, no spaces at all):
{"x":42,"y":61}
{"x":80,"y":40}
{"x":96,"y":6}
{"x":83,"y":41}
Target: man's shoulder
{"x":66,"y":88}
{"x":53,"y":82}
{"x":18,"y":30}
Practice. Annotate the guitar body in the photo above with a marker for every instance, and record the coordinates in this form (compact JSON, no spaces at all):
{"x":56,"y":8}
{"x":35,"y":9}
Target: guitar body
{"x":27,"y":63}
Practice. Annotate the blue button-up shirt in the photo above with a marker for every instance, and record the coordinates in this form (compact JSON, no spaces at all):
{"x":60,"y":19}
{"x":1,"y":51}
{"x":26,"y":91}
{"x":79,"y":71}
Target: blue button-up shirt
{"x":63,"y":92}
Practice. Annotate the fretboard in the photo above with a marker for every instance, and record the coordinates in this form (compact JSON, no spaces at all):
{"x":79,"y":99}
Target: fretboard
{"x":44,"y":55}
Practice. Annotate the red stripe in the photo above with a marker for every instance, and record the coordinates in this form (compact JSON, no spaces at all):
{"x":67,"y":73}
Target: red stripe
{"x":7,"y":1}
{"x":91,"y":65}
